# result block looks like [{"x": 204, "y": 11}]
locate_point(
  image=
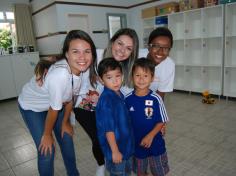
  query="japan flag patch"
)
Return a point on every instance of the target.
[{"x": 148, "y": 102}]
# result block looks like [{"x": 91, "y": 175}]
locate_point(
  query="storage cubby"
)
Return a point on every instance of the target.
[
  {"x": 230, "y": 82},
  {"x": 212, "y": 79},
  {"x": 230, "y": 51},
  {"x": 196, "y": 80},
  {"x": 230, "y": 19},
  {"x": 177, "y": 52},
  {"x": 212, "y": 19},
  {"x": 212, "y": 52},
  {"x": 180, "y": 81},
  {"x": 193, "y": 24},
  {"x": 176, "y": 25},
  {"x": 193, "y": 52}
]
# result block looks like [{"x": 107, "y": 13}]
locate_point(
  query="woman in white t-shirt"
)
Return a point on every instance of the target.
[
  {"x": 123, "y": 46},
  {"x": 47, "y": 107}
]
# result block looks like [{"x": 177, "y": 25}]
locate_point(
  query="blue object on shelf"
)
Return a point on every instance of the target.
[{"x": 161, "y": 21}]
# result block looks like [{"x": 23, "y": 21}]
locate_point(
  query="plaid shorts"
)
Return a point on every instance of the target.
[{"x": 158, "y": 165}]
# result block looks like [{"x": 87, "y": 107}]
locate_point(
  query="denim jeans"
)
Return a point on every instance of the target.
[
  {"x": 122, "y": 169},
  {"x": 35, "y": 122}
]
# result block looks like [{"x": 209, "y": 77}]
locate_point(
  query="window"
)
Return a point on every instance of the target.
[{"x": 7, "y": 30}]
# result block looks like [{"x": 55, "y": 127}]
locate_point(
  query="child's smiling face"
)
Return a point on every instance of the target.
[{"x": 142, "y": 79}]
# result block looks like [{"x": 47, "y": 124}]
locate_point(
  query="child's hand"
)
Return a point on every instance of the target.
[
  {"x": 117, "y": 157},
  {"x": 147, "y": 141},
  {"x": 163, "y": 130},
  {"x": 67, "y": 128}
]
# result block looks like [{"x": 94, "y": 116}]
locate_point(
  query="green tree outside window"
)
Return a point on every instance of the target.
[{"x": 5, "y": 39}]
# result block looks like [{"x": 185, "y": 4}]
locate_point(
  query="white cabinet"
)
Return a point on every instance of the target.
[
  {"x": 198, "y": 49},
  {"x": 15, "y": 71},
  {"x": 230, "y": 51},
  {"x": 7, "y": 84},
  {"x": 23, "y": 66},
  {"x": 149, "y": 24}
]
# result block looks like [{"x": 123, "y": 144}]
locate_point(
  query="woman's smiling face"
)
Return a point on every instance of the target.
[
  {"x": 79, "y": 56},
  {"x": 122, "y": 48}
]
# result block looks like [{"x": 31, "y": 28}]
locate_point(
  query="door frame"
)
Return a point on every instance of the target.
[{"x": 123, "y": 21}]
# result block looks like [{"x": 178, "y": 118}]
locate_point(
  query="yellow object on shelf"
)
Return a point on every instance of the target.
[
  {"x": 149, "y": 12},
  {"x": 167, "y": 8}
]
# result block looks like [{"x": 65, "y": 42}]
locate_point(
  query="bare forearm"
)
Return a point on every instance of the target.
[
  {"x": 156, "y": 129},
  {"x": 112, "y": 141},
  {"x": 68, "y": 109},
  {"x": 50, "y": 121}
]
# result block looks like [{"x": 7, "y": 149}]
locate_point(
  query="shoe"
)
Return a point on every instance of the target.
[{"x": 100, "y": 170}]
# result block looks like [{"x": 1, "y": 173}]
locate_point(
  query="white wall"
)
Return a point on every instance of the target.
[
  {"x": 53, "y": 19},
  {"x": 97, "y": 20},
  {"x": 37, "y": 4},
  {"x": 6, "y": 5},
  {"x": 109, "y": 2},
  {"x": 46, "y": 21}
]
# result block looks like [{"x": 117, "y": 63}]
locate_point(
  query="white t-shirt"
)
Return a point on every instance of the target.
[
  {"x": 164, "y": 76},
  {"x": 88, "y": 95},
  {"x": 56, "y": 89}
]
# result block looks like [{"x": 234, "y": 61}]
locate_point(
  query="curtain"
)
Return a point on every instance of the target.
[{"x": 24, "y": 25}]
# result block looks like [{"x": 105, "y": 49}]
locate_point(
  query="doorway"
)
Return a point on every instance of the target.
[{"x": 115, "y": 21}]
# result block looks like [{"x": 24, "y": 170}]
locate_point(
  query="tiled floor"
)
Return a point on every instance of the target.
[{"x": 200, "y": 139}]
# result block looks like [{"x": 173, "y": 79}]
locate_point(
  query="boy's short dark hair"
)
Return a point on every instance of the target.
[
  {"x": 108, "y": 64},
  {"x": 144, "y": 63},
  {"x": 161, "y": 31}
]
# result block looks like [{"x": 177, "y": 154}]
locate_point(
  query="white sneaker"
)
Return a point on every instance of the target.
[{"x": 100, "y": 170}]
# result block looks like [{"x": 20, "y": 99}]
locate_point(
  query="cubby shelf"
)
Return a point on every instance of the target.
[
  {"x": 198, "y": 49},
  {"x": 229, "y": 88},
  {"x": 204, "y": 49}
]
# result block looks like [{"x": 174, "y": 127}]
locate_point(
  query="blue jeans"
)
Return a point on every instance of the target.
[
  {"x": 122, "y": 169},
  {"x": 35, "y": 122}
]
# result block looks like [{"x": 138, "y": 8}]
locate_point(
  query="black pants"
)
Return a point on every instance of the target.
[{"x": 87, "y": 120}]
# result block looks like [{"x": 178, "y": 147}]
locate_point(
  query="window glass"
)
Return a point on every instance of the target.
[
  {"x": 6, "y": 26},
  {"x": 7, "y": 30},
  {"x": 10, "y": 15},
  {"x": 1, "y": 16}
]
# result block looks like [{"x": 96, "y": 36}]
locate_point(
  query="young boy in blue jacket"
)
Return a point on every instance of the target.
[{"x": 113, "y": 121}]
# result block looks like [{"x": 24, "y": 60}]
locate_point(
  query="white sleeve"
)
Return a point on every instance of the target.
[
  {"x": 166, "y": 79},
  {"x": 56, "y": 80}
]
